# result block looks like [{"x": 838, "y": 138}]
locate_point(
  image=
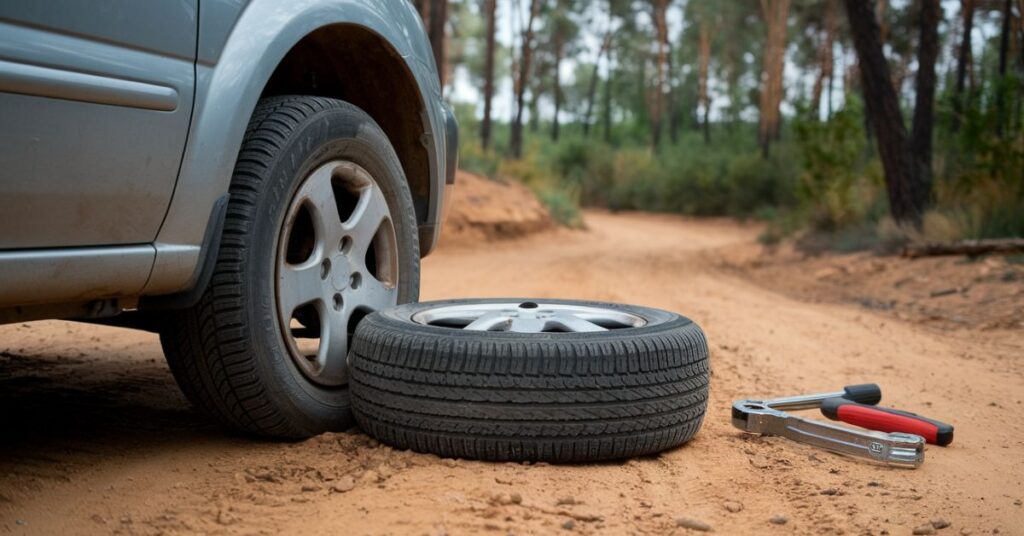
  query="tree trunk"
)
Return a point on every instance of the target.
[
  {"x": 592, "y": 89},
  {"x": 825, "y": 57},
  {"x": 1004, "y": 52},
  {"x": 776, "y": 15},
  {"x": 423, "y": 8},
  {"x": 436, "y": 21},
  {"x": 670, "y": 96},
  {"x": 516, "y": 139},
  {"x": 703, "y": 59},
  {"x": 657, "y": 98},
  {"x": 557, "y": 90},
  {"x": 924, "y": 105},
  {"x": 902, "y": 179},
  {"x": 963, "y": 59},
  {"x": 607, "y": 112},
  {"x": 490, "y": 9}
]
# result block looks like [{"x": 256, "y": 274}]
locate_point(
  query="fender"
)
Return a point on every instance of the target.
[{"x": 226, "y": 95}]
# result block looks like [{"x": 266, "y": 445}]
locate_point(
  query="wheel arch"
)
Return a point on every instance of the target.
[
  {"x": 354, "y": 64},
  {"x": 312, "y": 46}
]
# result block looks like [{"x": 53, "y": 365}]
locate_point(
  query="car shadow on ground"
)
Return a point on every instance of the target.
[{"x": 59, "y": 409}]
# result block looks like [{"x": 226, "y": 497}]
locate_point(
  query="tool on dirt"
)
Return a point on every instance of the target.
[
  {"x": 768, "y": 418},
  {"x": 887, "y": 420}
]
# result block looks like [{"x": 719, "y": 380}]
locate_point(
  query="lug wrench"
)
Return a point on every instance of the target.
[{"x": 767, "y": 417}]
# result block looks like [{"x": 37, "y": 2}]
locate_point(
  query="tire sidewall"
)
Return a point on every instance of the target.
[{"x": 332, "y": 134}]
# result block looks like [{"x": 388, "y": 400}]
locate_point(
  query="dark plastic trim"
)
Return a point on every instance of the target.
[{"x": 204, "y": 272}]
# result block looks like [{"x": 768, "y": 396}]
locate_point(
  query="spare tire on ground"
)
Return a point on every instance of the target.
[{"x": 518, "y": 380}]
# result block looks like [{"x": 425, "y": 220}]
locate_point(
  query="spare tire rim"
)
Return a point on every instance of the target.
[
  {"x": 337, "y": 261},
  {"x": 528, "y": 317}
]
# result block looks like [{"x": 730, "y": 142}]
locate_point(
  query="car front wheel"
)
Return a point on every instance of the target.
[{"x": 320, "y": 231}]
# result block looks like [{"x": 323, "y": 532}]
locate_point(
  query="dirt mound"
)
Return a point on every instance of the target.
[
  {"x": 942, "y": 292},
  {"x": 485, "y": 210}
]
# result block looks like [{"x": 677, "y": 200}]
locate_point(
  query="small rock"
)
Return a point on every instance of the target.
[
  {"x": 693, "y": 524},
  {"x": 733, "y": 506},
  {"x": 568, "y": 500},
  {"x": 779, "y": 519},
  {"x": 226, "y": 518},
  {"x": 306, "y": 488},
  {"x": 516, "y": 498},
  {"x": 371, "y": 477},
  {"x": 1018, "y": 502},
  {"x": 924, "y": 529},
  {"x": 940, "y": 523},
  {"x": 345, "y": 483},
  {"x": 760, "y": 462},
  {"x": 569, "y": 524},
  {"x": 829, "y": 491}
]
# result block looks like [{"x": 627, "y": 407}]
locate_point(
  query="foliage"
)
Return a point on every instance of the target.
[
  {"x": 834, "y": 183},
  {"x": 822, "y": 182}
]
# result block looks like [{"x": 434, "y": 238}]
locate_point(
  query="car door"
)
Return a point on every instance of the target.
[{"x": 95, "y": 102}]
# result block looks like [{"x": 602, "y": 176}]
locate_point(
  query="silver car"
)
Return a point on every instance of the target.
[{"x": 247, "y": 178}]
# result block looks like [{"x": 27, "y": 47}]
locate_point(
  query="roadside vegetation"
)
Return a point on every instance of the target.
[{"x": 756, "y": 111}]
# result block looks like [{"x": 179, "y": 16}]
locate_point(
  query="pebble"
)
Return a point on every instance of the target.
[
  {"x": 733, "y": 506},
  {"x": 345, "y": 483},
  {"x": 924, "y": 529},
  {"x": 370, "y": 476},
  {"x": 779, "y": 519},
  {"x": 568, "y": 500},
  {"x": 569, "y": 524},
  {"x": 226, "y": 518},
  {"x": 940, "y": 523},
  {"x": 516, "y": 498},
  {"x": 692, "y": 524},
  {"x": 760, "y": 462}
]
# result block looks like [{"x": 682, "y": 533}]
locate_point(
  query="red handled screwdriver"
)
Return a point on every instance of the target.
[{"x": 887, "y": 420}]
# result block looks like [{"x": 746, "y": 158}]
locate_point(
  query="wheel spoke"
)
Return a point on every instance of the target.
[
  {"x": 333, "y": 353},
  {"x": 298, "y": 285},
  {"x": 488, "y": 321},
  {"x": 573, "y": 323},
  {"x": 319, "y": 193},
  {"x": 371, "y": 210},
  {"x": 374, "y": 295}
]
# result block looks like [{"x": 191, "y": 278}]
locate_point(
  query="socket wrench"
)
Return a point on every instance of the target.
[{"x": 767, "y": 417}]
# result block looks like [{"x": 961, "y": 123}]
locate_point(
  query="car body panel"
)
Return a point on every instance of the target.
[
  {"x": 142, "y": 121},
  {"x": 227, "y": 93},
  {"x": 96, "y": 116}
]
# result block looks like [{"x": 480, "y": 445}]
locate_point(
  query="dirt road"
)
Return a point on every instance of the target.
[{"x": 96, "y": 439}]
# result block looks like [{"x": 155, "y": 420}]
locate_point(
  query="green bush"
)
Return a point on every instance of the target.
[{"x": 833, "y": 183}]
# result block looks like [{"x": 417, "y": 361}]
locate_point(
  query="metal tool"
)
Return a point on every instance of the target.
[
  {"x": 887, "y": 420},
  {"x": 767, "y": 417}
]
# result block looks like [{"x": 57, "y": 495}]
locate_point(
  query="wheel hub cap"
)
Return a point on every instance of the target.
[
  {"x": 337, "y": 261},
  {"x": 528, "y": 317}
]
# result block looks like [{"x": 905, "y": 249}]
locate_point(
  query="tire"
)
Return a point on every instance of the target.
[
  {"x": 503, "y": 396},
  {"x": 238, "y": 353}
]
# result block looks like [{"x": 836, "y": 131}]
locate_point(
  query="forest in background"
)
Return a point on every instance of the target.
[{"x": 865, "y": 122}]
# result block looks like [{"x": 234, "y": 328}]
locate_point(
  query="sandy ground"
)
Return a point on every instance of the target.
[{"x": 94, "y": 437}]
